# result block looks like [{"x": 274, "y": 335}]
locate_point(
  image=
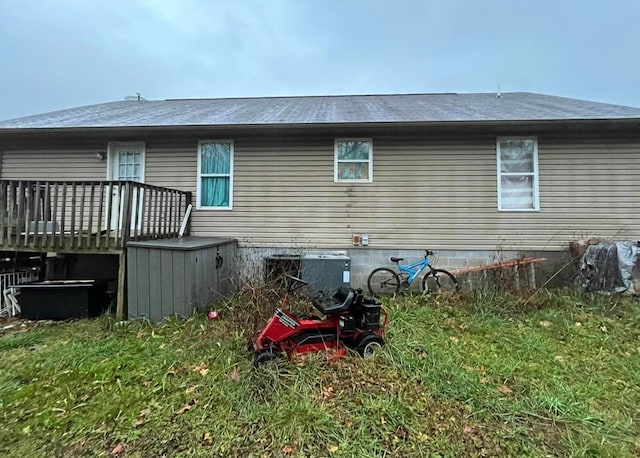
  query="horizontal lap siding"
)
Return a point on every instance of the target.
[
  {"x": 284, "y": 194},
  {"x": 427, "y": 192},
  {"x": 174, "y": 167},
  {"x": 53, "y": 165},
  {"x": 590, "y": 189}
]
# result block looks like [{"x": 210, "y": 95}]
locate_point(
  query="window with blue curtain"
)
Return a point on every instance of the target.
[{"x": 216, "y": 164}]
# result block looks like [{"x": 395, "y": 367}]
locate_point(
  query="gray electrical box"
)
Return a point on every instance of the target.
[{"x": 325, "y": 271}]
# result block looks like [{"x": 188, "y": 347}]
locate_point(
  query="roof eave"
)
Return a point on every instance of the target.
[{"x": 524, "y": 123}]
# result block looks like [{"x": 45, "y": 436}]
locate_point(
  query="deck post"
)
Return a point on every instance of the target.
[{"x": 121, "y": 298}]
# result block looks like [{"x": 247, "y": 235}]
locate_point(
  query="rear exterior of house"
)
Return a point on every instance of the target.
[{"x": 527, "y": 175}]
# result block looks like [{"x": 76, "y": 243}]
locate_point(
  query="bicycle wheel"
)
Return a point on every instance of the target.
[
  {"x": 383, "y": 282},
  {"x": 439, "y": 281}
]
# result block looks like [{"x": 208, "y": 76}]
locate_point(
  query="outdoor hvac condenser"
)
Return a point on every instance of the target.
[{"x": 325, "y": 271}]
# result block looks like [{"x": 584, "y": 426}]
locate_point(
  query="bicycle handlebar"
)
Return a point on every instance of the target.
[{"x": 428, "y": 253}]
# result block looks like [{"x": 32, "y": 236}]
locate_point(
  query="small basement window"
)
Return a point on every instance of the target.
[
  {"x": 353, "y": 160},
  {"x": 518, "y": 174}
]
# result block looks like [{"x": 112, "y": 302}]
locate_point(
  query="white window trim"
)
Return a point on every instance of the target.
[
  {"x": 230, "y": 175},
  {"x": 534, "y": 174},
  {"x": 111, "y": 157},
  {"x": 336, "y": 162}
]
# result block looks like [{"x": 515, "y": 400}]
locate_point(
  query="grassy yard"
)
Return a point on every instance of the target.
[{"x": 482, "y": 376}]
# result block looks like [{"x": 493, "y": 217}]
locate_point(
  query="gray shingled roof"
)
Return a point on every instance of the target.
[{"x": 406, "y": 108}]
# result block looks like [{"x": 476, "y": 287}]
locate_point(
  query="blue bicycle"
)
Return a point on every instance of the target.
[{"x": 384, "y": 281}]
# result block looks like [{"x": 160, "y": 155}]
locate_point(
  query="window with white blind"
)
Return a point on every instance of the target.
[{"x": 518, "y": 174}]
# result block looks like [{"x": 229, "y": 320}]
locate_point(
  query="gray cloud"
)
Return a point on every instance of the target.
[{"x": 64, "y": 53}]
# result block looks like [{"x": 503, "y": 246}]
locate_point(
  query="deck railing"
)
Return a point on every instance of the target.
[{"x": 86, "y": 216}]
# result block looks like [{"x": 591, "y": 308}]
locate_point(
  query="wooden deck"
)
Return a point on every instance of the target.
[{"x": 86, "y": 216}]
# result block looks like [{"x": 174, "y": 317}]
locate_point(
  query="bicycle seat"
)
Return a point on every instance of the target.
[
  {"x": 393, "y": 259},
  {"x": 338, "y": 302}
]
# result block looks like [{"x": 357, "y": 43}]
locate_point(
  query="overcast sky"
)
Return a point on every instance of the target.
[{"x": 58, "y": 54}]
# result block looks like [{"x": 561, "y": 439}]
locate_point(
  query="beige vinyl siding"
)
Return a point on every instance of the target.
[
  {"x": 172, "y": 167},
  {"x": 427, "y": 191},
  {"x": 53, "y": 165}
]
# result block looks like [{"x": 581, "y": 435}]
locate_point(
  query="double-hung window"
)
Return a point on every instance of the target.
[
  {"x": 353, "y": 160},
  {"x": 215, "y": 174},
  {"x": 518, "y": 174}
]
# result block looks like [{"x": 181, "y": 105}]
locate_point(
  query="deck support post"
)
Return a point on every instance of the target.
[{"x": 121, "y": 298}]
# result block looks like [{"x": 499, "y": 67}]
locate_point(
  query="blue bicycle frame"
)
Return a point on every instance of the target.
[
  {"x": 383, "y": 280},
  {"x": 413, "y": 270}
]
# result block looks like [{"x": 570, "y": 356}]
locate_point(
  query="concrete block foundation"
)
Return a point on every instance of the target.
[{"x": 251, "y": 261}]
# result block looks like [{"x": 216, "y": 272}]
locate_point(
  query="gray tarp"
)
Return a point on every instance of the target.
[{"x": 608, "y": 267}]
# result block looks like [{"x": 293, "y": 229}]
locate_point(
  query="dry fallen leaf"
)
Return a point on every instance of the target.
[
  {"x": 201, "y": 368},
  {"x": 545, "y": 323},
  {"x": 207, "y": 438},
  {"x": 235, "y": 373},
  {"x": 332, "y": 449},
  {"x": 186, "y": 407},
  {"x": 504, "y": 389},
  {"x": 287, "y": 450},
  {"x": 191, "y": 389},
  {"x": 117, "y": 450},
  {"x": 326, "y": 393},
  {"x": 141, "y": 417},
  {"x": 454, "y": 339},
  {"x": 483, "y": 380}
]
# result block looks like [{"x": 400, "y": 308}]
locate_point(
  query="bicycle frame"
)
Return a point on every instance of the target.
[
  {"x": 413, "y": 270},
  {"x": 384, "y": 280}
]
